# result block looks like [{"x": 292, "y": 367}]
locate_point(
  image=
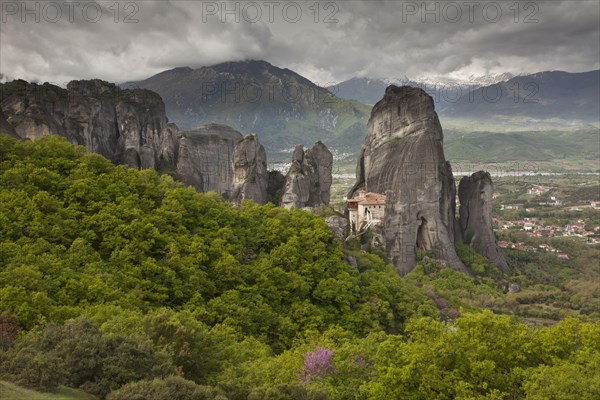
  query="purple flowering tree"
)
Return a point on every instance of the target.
[
  {"x": 439, "y": 302},
  {"x": 317, "y": 364}
]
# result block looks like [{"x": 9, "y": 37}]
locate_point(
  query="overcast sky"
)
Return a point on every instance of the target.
[{"x": 132, "y": 40}]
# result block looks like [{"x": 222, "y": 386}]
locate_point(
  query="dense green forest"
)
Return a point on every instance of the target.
[{"x": 126, "y": 285}]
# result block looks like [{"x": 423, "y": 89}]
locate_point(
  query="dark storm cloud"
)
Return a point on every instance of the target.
[
  {"x": 369, "y": 38},
  {"x": 393, "y": 43}
]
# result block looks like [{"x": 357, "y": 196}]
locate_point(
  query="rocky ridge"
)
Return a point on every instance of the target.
[
  {"x": 130, "y": 127},
  {"x": 125, "y": 126}
]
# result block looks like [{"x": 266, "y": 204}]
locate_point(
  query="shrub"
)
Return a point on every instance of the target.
[{"x": 170, "y": 388}]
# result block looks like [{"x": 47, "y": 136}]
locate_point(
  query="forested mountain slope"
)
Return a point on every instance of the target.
[{"x": 127, "y": 285}]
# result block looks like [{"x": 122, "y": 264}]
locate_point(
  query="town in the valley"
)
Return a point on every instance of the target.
[{"x": 533, "y": 211}]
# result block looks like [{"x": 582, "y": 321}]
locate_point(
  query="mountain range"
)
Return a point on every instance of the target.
[
  {"x": 553, "y": 96},
  {"x": 281, "y": 106},
  {"x": 285, "y": 108},
  {"x": 550, "y": 95},
  {"x": 526, "y": 117},
  {"x": 370, "y": 90}
]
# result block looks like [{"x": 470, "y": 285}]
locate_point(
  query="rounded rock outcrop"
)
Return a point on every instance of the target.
[{"x": 403, "y": 158}]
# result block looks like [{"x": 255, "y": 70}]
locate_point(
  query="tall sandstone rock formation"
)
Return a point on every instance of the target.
[
  {"x": 205, "y": 158},
  {"x": 251, "y": 176},
  {"x": 130, "y": 127},
  {"x": 475, "y": 196},
  {"x": 403, "y": 157},
  {"x": 125, "y": 126},
  {"x": 308, "y": 181}
]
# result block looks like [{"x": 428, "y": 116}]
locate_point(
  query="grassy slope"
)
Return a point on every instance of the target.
[{"x": 10, "y": 391}]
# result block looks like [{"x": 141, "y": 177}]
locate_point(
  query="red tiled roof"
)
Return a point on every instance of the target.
[{"x": 368, "y": 199}]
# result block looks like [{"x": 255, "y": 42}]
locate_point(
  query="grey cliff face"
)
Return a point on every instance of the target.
[
  {"x": 308, "y": 181},
  {"x": 5, "y": 127},
  {"x": 125, "y": 126},
  {"x": 130, "y": 127},
  {"x": 250, "y": 171},
  {"x": 320, "y": 156},
  {"x": 338, "y": 226},
  {"x": 403, "y": 157},
  {"x": 475, "y": 195},
  {"x": 205, "y": 158},
  {"x": 296, "y": 188}
]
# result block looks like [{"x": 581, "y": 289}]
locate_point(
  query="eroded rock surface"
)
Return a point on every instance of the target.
[
  {"x": 250, "y": 171},
  {"x": 475, "y": 196},
  {"x": 308, "y": 181},
  {"x": 205, "y": 158},
  {"x": 338, "y": 225},
  {"x": 130, "y": 127},
  {"x": 403, "y": 158},
  {"x": 125, "y": 126}
]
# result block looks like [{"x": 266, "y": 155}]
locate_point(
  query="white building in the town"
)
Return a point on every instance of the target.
[{"x": 537, "y": 190}]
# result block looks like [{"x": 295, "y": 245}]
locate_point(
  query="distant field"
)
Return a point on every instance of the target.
[
  {"x": 578, "y": 148},
  {"x": 9, "y": 391}
]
